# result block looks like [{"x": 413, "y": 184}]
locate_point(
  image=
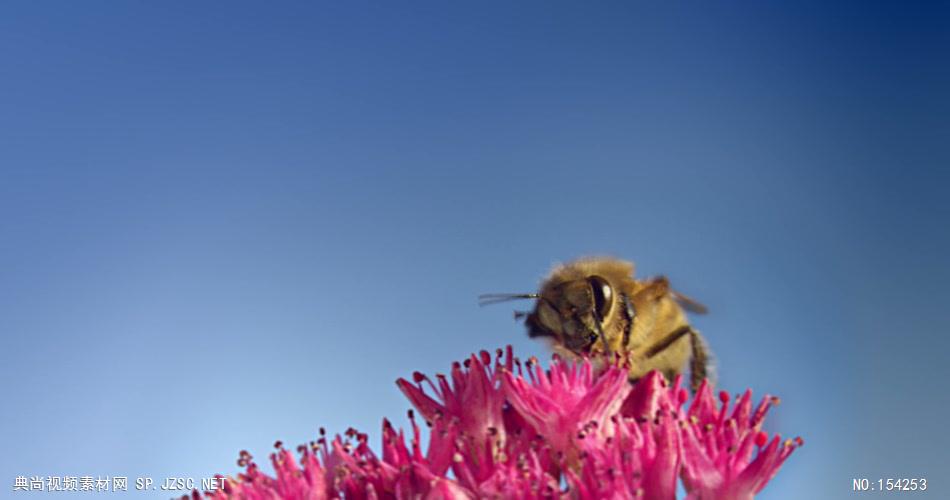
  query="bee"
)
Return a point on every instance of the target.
[{"x": 595, "y": 306}]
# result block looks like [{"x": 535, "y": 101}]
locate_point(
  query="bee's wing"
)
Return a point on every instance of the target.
[{"x": 688, "y": 303}]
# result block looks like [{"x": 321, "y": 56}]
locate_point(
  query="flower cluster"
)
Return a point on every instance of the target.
[{"x": 502, "y": 429}]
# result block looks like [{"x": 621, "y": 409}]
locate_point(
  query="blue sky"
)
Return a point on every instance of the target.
[{"x": 228, "y": 224}]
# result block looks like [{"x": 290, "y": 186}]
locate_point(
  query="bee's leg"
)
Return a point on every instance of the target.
[
  {"x": 698, "y": 362},
  {"x": 664, "y": 344},
  {"x": 667, "y": 341},
  {"x": 630, "y": 313},
  {"x": 699, "y": 358}
]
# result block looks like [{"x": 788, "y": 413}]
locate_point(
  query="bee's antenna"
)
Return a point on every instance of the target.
[{"x": 495, "y": 298}]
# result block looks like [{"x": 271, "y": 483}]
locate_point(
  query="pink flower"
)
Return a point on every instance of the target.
[
  {"x": 292, "y": 481},
  {"x": 573, "y": 432},
  {"x": 472, "y": 405},
  {"x": 718, "y": 447},
  {"x": 568, "y": 401},
  {"x": 641, "y": 460},
  {"x": 473, "y": 399},
  {"x": 652, "y": 395}
]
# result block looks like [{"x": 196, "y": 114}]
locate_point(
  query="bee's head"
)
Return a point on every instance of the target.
[{"x": 572, "y": 312}]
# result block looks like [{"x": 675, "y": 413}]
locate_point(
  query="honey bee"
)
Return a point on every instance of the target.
[{"x": 595, "y": 306}]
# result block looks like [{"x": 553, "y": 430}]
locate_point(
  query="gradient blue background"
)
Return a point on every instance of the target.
[{"x": 226, "y": 224}]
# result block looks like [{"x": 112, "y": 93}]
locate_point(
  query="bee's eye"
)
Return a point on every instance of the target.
[{"x": 603, "y": 295}]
